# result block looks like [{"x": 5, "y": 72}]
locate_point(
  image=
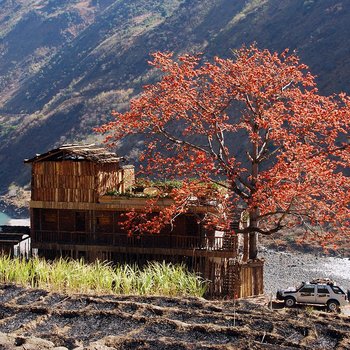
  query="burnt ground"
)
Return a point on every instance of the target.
[{"x": 37, "y": 319}]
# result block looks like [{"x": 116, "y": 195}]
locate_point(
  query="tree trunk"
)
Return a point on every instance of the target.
[
  {"x": 253, "y": 236},
  {"x": 253, "y": 245}
]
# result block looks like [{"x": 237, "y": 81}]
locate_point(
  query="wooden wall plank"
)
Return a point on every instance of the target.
[{"x": 71, "y": 181}]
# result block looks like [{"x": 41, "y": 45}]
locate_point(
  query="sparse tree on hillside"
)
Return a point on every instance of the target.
[{"x": 257, "y": 126}]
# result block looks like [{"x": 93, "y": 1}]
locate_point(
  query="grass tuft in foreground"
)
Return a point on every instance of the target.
[{"x": 75, "y": 276}]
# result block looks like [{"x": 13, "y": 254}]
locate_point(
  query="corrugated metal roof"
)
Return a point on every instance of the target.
[{"x": 77, "y": 153}]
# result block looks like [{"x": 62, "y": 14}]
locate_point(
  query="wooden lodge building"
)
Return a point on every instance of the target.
[{"x": 72, "y": 215}]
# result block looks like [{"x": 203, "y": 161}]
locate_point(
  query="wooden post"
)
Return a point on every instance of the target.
[{"x": 245, "y": 247}]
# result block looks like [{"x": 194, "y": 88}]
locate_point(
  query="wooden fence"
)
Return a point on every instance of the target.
[
  {"x": 232, "y": 279},
  {"x": 251, "y": 278}
]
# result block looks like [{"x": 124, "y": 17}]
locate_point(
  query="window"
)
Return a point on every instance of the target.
[
  {"x": 49, "y": 220},
  {"x": 80, "y": 221},
  {"x": 337, "y": 290},
  {"x": 66, "y": 220},
  {"x": 191, "y": 225},
  {"x": 36, "y": 219},
  {"x": 322, "y": 290},
  {"x": 104, "y": 222},
  {"x": 307, "y": 290},
  {"x": 50, "y": 217}
]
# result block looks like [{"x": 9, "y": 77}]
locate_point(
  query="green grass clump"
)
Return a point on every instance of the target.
[{"x": 75, "y": 276}]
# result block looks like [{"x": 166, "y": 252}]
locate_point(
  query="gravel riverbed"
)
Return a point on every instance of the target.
[{"x": 285, "y": 269}]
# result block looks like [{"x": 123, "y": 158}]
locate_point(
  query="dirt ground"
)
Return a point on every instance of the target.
[{"x": 33, "y": 319}]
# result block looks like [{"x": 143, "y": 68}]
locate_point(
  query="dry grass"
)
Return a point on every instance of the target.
[{"x": 73, "y": 276}]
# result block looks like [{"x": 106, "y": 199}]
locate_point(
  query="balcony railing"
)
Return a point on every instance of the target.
[{"x": 219, "y": 242}]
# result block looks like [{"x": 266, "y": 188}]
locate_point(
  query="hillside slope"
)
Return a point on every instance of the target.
[
  {"x": 66, "y": 64},
  {"x": 38, "y": 319}
]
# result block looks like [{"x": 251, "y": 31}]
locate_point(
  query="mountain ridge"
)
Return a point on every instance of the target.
[{"x": 54, "y": 92}]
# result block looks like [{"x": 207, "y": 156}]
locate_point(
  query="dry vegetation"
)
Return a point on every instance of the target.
[
  {"x": 38, "y": 319},
  {"x": 75, "y": 276}
]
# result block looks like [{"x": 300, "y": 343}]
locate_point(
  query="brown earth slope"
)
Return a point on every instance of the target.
[{"x": 38, "y": 319}]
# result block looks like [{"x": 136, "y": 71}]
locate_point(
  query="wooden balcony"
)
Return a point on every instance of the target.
[{"x": 219, "y": 243}]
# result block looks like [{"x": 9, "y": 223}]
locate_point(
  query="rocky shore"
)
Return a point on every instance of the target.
[{"x": 284, "y": 269}]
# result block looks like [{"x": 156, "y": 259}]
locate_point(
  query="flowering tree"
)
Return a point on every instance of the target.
[{"x": 256, "y": 128}]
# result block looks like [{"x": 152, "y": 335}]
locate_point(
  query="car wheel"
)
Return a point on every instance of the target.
[
  {"x": 289, "y": 302},
  {"x": 333, "y": 305}
]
